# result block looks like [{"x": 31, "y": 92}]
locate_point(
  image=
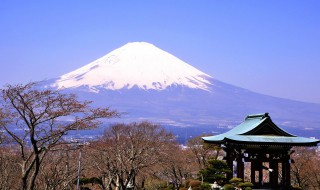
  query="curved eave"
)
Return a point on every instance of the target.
[
  {"x": 264, "y": 140},
  {"x": 272, "y": 140},
  {"x": 208, "y": 140}
]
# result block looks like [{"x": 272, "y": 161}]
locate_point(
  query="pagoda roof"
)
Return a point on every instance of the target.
[{"x": 259, "y": 129}]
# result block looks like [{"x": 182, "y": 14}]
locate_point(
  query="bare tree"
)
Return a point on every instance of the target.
[
  {"x": 202, "y": 152},
  {"x": 178, "y": 165},
  {"x": 102, "y": 163},
  {"x": 1, "y": 136},
  {"x": 305, "y": 170},
  {"x": 2, "y": 122},
  {"x": 9, "y": 170},
  {"x": 126, "y": 149},
  {"x": 36, "y": 120},
  {"x": 59, "y": 169}
]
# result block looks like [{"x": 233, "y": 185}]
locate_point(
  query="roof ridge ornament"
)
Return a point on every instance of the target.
[{"x": 261, "y": 115}]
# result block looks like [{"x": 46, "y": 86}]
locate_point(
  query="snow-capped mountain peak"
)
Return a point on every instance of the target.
[{"x": 138, "y": 64}]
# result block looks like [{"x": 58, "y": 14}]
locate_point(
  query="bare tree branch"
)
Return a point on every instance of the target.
[{"x": 44, "y": 117}]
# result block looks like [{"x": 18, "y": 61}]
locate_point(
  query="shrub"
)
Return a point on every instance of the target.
[
  {"x": 248, "y": 188},
  {"x": 194, "y": 183},
  {"x": 228, "y": 187},
  {"x": 235, "y": 180},
  {"x": 205, "y": 186},
  {"x": 92, "y": 180},
  {"x": 246, "y": 184},
  {"x": 170, "y": 186},
  {"x": 186, "y": 183}
]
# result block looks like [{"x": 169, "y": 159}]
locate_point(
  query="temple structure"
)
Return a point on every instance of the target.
[{"x": 262, "y": 146}]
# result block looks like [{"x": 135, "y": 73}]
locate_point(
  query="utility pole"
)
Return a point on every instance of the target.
[{"x": 79, "y": 168}]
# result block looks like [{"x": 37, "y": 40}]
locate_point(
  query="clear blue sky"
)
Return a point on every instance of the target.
[{"x": 267, "y": 46}]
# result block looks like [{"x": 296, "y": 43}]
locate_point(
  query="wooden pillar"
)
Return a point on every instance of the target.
[
  {"x": 240, "y": 168},
  {"x": 286, "y": 180},
  {"x": 287, "y": 172},
  {"x": 229, "y": 160},
  {"x": 253, "y": 168},
  {"x": 274, "y": 175},
  {"x": 256, "y": 166},
  {"x": 260, "y": 174},
  {"x": 283, "y": 178}
]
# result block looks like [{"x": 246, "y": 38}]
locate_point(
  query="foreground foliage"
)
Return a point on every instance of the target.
[{"x": 36, "y": 120}]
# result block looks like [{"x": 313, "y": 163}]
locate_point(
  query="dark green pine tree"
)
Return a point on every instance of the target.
[{"x": 216, "y": 170}]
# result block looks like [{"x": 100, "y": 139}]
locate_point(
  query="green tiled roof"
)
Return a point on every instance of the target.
[
  {"x": 259, "y": 129},
  {"x": 271, "y": 139}
]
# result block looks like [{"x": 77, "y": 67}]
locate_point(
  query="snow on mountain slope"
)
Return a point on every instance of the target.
[{"x": 135, "y": 64}]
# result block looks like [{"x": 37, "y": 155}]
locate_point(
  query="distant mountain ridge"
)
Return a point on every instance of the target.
[{"x": 151, "y": 84}]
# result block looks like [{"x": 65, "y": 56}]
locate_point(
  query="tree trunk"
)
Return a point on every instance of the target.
[
  {"x": 142, "y": 183},
  {"x": 24, "y": 183}
]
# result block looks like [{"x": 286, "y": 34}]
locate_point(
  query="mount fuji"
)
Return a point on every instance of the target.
[
  {"x": 150, "y": 84},
  {"x": 137, "y": 64}
]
